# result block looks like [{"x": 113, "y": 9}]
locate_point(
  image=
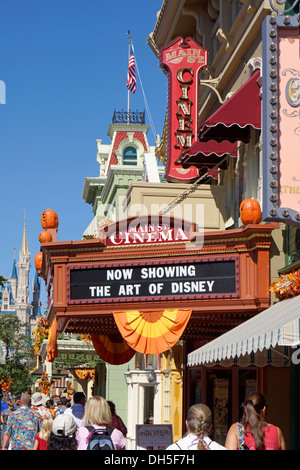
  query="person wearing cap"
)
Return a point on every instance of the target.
[
  {"x": 38, "y": 405},
  {"x": 22, "y": 427},
  {"x": 63, "y": 432}
]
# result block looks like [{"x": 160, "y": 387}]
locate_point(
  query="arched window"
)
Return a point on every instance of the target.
[{"x": 129, "y": 156}]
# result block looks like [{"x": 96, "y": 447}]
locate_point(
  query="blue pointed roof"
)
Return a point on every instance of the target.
[
  {"x": 37, "y": 282},
  {"x": 14, "y": 274},
  {"x": 40, "y": 313}
]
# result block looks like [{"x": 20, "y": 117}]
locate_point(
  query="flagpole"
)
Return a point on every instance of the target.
[{"x": 128, "y": 93}]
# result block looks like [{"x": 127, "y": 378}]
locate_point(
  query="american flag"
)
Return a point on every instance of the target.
[{"x": 131, "y": 78}]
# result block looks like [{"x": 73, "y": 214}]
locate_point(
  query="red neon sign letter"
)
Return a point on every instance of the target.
[{"x": 183, "y": 59}]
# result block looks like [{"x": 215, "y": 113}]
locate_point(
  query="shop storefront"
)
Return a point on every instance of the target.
[
  {"x": 258, "y": 354},
  {"x": 148, "y": 285},
  {"x": 249, "y": 110},
  {"x": 158, "y": 287}
]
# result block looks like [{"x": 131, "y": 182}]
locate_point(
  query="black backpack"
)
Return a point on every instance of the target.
[{"x": 99, "y": 439}]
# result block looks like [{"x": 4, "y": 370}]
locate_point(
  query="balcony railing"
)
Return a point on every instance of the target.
[{"x": 131, "y": 117}]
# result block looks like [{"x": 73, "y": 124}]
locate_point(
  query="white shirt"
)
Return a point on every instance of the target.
[
  {"x": 190, "y": 442},
  {"x": 77, "y": 420}
]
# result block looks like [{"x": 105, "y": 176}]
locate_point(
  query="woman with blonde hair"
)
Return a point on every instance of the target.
[
  {"x": 198, "y": 424},
  {"x": 97, "y": 416},
  {"x": 42, "y": 437},
  {"x": 253, "y": 432}
]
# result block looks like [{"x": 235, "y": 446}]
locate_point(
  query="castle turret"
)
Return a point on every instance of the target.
[{"x": 23, "y": 306}]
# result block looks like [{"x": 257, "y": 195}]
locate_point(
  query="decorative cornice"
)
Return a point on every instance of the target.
[
  {"x": 112, "y": 181},
  {"x": 127, "y": 128},
  {"x": 247, "y": 239}
]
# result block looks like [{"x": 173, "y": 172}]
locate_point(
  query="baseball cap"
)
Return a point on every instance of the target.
[{"x": 64, "y": 425}]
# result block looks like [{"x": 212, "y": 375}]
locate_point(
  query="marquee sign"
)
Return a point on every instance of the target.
[
  {"x": 154, "y": 280},
  {"x": 145, "y": 230},
  {"x": 145, "y": 234},
  {"x": 183, "y": 59},
  {"x": 281, "y": 119}
]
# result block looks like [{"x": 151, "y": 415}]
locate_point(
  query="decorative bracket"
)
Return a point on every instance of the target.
[
  {"x": 281, "y": 11},
  {"x": 212, "y": 85}
]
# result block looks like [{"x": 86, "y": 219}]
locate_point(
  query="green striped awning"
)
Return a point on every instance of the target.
[{"x": 278, "y": 325}]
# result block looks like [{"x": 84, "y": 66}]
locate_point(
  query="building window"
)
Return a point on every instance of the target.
[{"x": 130, "y": 156}]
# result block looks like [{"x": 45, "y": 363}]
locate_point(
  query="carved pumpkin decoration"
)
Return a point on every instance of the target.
[
  {"x": 250, "y": 212},
  {"x": 49, "y": 219},
  {"x": 45, "y": 237},
  {"x": 38, "y": 260}
]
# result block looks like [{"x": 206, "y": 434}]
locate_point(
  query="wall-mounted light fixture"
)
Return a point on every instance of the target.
[{"x": 150, "y": 373}]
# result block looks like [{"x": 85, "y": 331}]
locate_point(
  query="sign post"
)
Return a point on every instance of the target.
[{"x": 153, "y": 436}]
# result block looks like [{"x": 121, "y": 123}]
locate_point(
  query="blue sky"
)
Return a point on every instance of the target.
[{"x": 64, "y": 65}]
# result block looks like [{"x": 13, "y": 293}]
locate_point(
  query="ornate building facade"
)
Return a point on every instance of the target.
[
  {"x": 15, "y": 292},
  {"x": 126, "y": 159}
]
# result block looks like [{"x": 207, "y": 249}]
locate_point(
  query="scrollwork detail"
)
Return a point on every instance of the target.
[{"x": 281, "y": 11}]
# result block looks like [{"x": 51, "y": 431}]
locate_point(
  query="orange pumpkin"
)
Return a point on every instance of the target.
[
  {"x": 38, "y": 260},
  {"x": 49, "y": 219},
  {"x": 45, "y": 237},
  {"x": 250, "y": 212}
]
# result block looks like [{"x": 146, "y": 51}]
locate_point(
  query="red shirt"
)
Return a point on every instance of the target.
[
  {"x": 43, "y": 445},
  {"x": 116, "y": 422},
  {"x": 271, "y": 439}
]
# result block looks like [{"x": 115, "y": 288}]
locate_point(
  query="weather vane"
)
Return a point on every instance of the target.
[{"x": 291, "y": 5}]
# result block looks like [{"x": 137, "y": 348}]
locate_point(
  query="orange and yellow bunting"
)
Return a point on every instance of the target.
[
  {"x": 84, "y": 373},
  {"x": 52, "y": 351},
  {"x": 152, "y": 332},
  {"x": 114, "y": 352}
]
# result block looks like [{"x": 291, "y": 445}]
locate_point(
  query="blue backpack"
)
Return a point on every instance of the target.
[{"x": 99, "y": 439}]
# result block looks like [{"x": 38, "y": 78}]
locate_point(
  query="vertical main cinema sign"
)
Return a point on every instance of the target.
[
  {"x": 281, "y": 119},
  {"x": 183, "y": 59}
]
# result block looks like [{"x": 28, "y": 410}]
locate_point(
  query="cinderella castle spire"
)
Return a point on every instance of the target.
[
  {"x": 25, "y": 248},
  {"x": 15, "y": 291},
  {"x": 22, "y": 302}
]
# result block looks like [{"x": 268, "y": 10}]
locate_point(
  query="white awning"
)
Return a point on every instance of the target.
[{"x": 277, "y": 325}]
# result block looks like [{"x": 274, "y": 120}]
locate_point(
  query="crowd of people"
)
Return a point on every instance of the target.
[
  {"x": 36, "y": 423},
  {"x": 253, "y": 432}
]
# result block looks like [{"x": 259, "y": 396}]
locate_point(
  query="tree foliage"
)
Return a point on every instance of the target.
[
  {"x": 18, "y": 353},
  {"x": 2, "y": 280}
]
